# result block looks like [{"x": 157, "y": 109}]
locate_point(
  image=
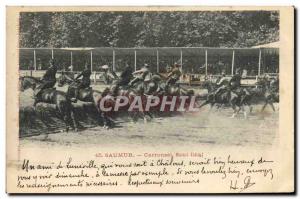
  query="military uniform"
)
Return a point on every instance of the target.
[
  {"x": 125, "y": 76},
  {"x": 173, "y": 76},
  {"x": 274, "y": 85},
  {"x": 145, "y": 75},
  {"x": 48, "y": 80},
  {"x": 222, "y": 83},
  {"x": 235, "y": 81},
  {"x": 124, "y": 80},
  {"x": 85, "y": 81}
]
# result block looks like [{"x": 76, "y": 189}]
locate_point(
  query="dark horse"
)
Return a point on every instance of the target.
[
  {"x": 85, "y": 95},
  {"x": 51, "y": 96},
  {"x": 263, "y": 93},
  {"x": 226, "y": 97}
]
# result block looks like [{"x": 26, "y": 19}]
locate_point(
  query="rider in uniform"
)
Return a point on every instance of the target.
[
  {"x": 235, "y": 81},
  {"x": 126, "y": 76},
  {"x": 85, "y": 80},
  {"x": 48, "y": 80},
  {"x": 274, "y": 84},
  {"x": 222, "y": 84},
  {"x": 174, "y": 75},
  {"x": 109, "y": 75},
  {"x": 124, "y": 80},
  {"x": 144, "y": 73}
]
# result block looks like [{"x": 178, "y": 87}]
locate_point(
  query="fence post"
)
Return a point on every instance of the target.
[
  {"x": 92, "y": 61},
  {"x": 256, "y": 78},
  {"x": 134, "y": 60},
  {"x": 71, "y": 61},
  {"x": 259, "y": 62},
  {"x": 205, "y": 62},
  {"x": 232, "y": 64},
  {"x": 114, "y": 60},
  {"x": 52, "y": 54},
  {"x": 157, "y": 61},
  {"x": 181, "y": 60},
  {"x": 34, "y": 60}
]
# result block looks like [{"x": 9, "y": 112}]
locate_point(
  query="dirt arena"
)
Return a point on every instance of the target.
[{"x": 203, "y": 128}]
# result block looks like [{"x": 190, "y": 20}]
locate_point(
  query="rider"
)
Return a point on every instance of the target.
[
  {"x": 144, "y": 73},
  {"x": 222, "y": 84},
  {"x": 48, "y": 80},
  {"x": 274, "y": 84},
  {"x": 126, "y": 76},
  {"x": 154, "y": 86},
  {"x": 174, "y": 75},
  {"x": 85, "y": 80},
  {"x": 235, "y": 81},
  {"x": 108, "y": 75},
  {"x": 124, "y": 80}
]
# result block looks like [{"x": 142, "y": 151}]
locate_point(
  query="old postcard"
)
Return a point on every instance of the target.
[{"x": 150, "y": 100}]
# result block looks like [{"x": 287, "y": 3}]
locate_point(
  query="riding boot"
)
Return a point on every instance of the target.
[
  {"x": 115, "y": 91},
  {"x": 76, "y": 94},
  {"x": 214, "y": 98}
]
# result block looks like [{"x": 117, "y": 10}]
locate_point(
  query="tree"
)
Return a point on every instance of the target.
[{"x": 150, "y": 29}]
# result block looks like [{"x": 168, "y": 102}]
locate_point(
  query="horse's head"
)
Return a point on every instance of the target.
[
  {"x": 21, "y": 84},
  {"x": 27, "y": 82},
  {"x": 64, "y": 79},
  {"x": 61, "y": 80}
]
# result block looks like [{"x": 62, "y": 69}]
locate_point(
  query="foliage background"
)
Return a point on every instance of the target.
[{"x": 148, "y": 29}]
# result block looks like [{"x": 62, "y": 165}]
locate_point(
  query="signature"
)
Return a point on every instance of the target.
[{"x": 234, "y": 185}]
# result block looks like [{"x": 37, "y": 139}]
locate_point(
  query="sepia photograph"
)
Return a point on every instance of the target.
[
  {"x": 150, "y": 100},
  {"x": 228, "y": 62}
]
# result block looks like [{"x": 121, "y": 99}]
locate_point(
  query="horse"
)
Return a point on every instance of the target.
[
  {"x": 51, "y": 96},
  {"x": 138, "y": 89},
  {"x": 85, "y": 95},
  {"x": 109, "y": 77},
  {"x": 227, "y": 96},
  {"x": 156, "y": 87},
  {"x": 263, "y": 93}
]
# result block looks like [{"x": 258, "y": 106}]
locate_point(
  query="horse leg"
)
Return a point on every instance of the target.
[
  {"x": 211, "y": 106},
  {"x": 234, "y": 110},
  {"x": 204, "y": 103},
  {"x": 99, "y": 114},
  {"x": 144, "y": 117},
  {"x": 134, "y": 116},
  {"x": 145, "y": 114},
  {"x": 65, "y": 112},
  {"x": 72, "y": 116},
  {"x": 250, "y": 107},
  {"x": 272, "y": 105},
  {"x": 106, "y": 121},
  {"x": 264, "y": 106},
  {"x": 244, "y": 111}
]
